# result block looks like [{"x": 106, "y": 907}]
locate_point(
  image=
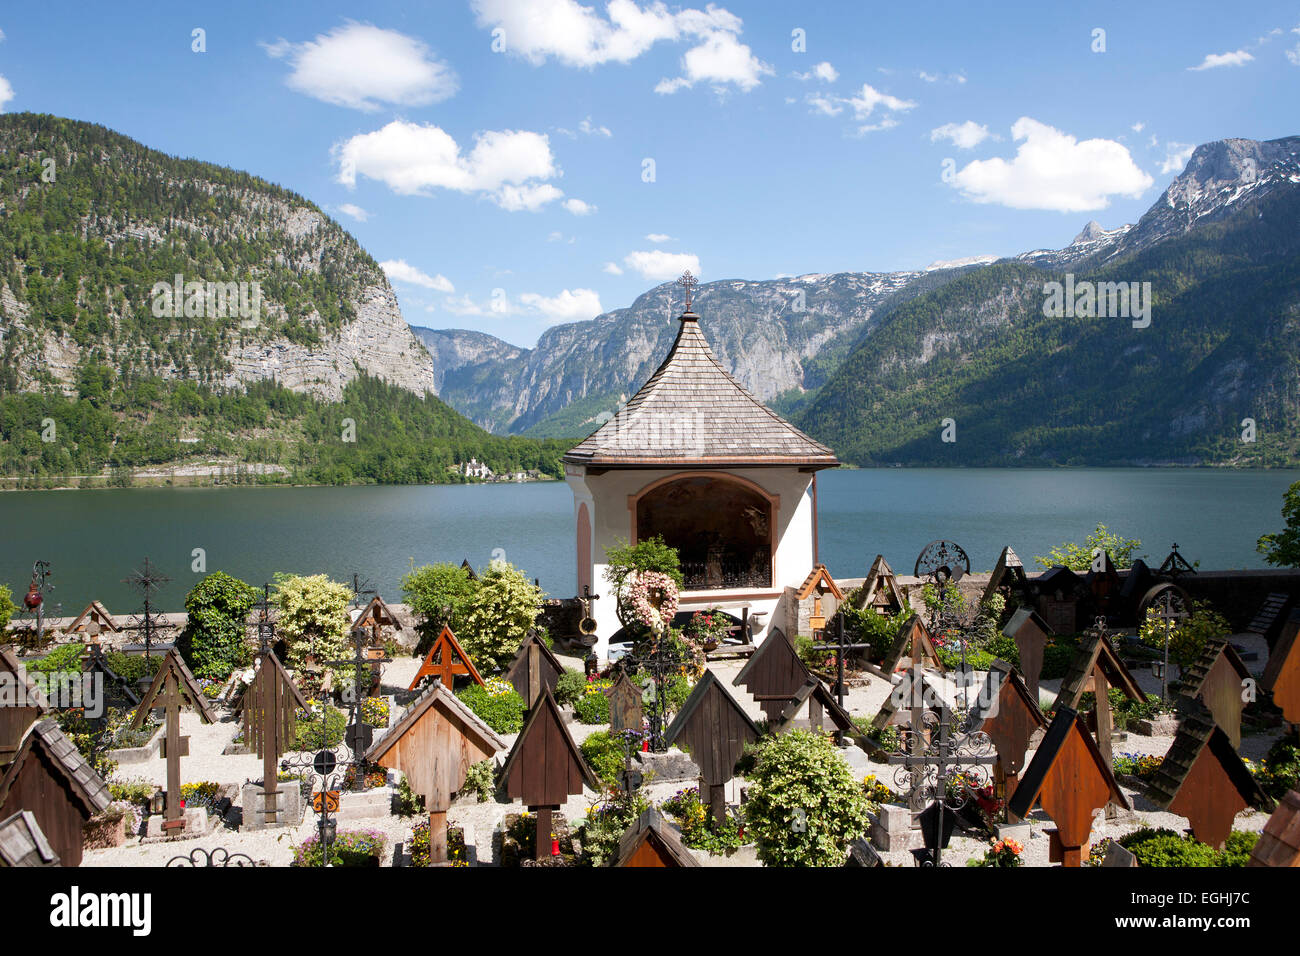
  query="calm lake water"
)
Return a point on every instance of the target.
[{"x": 93, "y": 539}]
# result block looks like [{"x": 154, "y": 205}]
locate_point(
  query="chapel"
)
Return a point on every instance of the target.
[{"x": 697, "y": 460}]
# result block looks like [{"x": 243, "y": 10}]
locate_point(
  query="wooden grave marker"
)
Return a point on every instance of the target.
[
  {"x": 773, "y": 673},
  {"x": 545, "y": 767},
  {"x": 1279, "y": 843},
  {"x": 95, "y": 613},
  {"x": 1009, "y": 572},
  {"x": 1006, "y": 711},
  {"x": 626, "y": 705},
  {"x": 1204, "y": 779},
  {"x": 1030, "y": 632},
  {"x": 1071, "y": 780},
  {"x": 21, "y": 704},
  {"x": 173, "y": 688},
  {"x": 446, "y": 661},
  {"x": 534, "y": 668},
  {"x": 712, "y": 727},
  {"x": 269, "y": 706},
  {"x": 434, "y": 744},
  {"x": 1282, "y": 674},
  {"x": 651, "y": 841},
  {"x": 818, "y": 585},
  {"x": 1218, "y": 680},
  {"x": 880, "y": 590},
  {"x": 1096, "y": 668},
  {"x": 49, "y": 778},
  {"x": 810, "y": 706},
  {"x": 22, "y": 844},
  {"x": 913, "y": 642}
]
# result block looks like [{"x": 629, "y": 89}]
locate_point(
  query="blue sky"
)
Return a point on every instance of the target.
[{"x": 506, "y": 190}]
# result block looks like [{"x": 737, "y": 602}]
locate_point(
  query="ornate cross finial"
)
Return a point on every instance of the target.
[{"x": 688, "y": 282}]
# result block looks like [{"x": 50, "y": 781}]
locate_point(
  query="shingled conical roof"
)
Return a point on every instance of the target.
[{"x": 693, "y": 413}]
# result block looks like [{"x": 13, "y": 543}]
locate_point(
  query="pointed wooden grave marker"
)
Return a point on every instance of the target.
[
  {"x": 880, "y": 589},
  {"x": 817, "y": 585},
  {"x": 1006, "y": 711},
  {"x": 773, "y": 673},
  {"x": 21, "y": 704},
  {"x": 434, "y": 744},
  {"x": 651, "y": 841},
  {"x": 913, "y": 642},
  {"x": 1279, "y": 844},
  {"x": 269, "y": 706},
  {"x": 52, "y": 780},
  {"x": 534, "y": 668},
  {"x": 376, "y": 616},
  {"x": 626, "y": 709},
  {"x": 173, "y": 688},
  {"x": 545, "y": 767},
  {"x": 1282, "y": 675},
  {"x": 1204, "y": 779},
  {"x": 1218, "y": 680},
  {"x": 95, "y": 613},
  {"x": 810, "y": 706},
  {"x": 714, "y": 730},
  {"x": 1009, "y": 572},
  {"x": 445, "y": 661},
  {"x": 1070, "y": 779},
  {"x": 1030, "y": 632},
  {"x": 1096, "y": 668}
]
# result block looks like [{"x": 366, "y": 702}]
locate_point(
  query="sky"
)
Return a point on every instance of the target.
[{"x": 516, "y": 164}]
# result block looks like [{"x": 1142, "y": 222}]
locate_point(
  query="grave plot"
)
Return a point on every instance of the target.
[{"x": 713, "y": 728}]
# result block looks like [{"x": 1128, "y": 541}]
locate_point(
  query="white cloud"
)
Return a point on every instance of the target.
[
  {"x": 1053, "y": 170},
  {"x": 657, "y": 264},
  {"x": 361, "y": 66},
  {"x": 957, "y": 78},
  {"x": 1294, "y": 55},
  {"x": 578, "y": 207},
  {"x": 965, "y": 135},
  {"x": 613, "y": 268},
  {"x": 822, "y": 71},
  {"x": 825, "y": 105},
  {"x": 356, "y": 212},
  {"x": 863, "y": 104},
  {"x": 6, "y": 93},
  {"x": 1138, "y": 126},
  {"x": 465, "y": 305},
  {"x": 577, "y": 35},
  {"x": 590, "y": 129},
  {"x": 869, "y": 98},
  {"x": 1176, "y": 157},
  {"x": 508, "y": 166},
  {"x": 399, "y": 270},
  {"x": 1213, "y": 60},
  {"x": 571, "y": 305},
  {"x": 658, "y": 237}
]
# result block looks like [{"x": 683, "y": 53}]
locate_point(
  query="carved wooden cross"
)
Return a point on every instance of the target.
[{"x": 174, "y": 747}]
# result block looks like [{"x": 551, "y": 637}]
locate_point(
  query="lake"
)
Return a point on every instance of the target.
[{"x": 93, "y": 539}]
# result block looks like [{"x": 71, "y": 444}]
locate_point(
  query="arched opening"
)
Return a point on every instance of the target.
[{"x": 721, "y": 528}]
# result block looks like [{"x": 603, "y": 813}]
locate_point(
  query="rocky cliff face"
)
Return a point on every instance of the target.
[{"x": 85, "y": 241}]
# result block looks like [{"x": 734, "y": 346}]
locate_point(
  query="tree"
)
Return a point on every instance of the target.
[
  {"x": 1283, "y": 549},
  {"x": 7, "y": 606},
  {"x": 314, "y": 617},
  {"x": 1188, "y": 639},
  {"x": 805, "y": 806},
  {"x": 498, "y": 615},
  {"x": 1080, "y": 558},
  {"x": 215, "y": 639},
  {"x": 440, "y": 595}
]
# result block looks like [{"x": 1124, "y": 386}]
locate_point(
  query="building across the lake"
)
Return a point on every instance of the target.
[{"x": 696, "y": 459}]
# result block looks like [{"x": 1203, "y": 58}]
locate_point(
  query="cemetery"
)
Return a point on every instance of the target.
[{"x": 713, "y": 697}]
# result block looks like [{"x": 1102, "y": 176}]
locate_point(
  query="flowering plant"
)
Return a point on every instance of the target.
[
  {"x": 708, "y": 625},
  {"x": 653, "y": 597},
  {"x": 1006, "y": 852}
]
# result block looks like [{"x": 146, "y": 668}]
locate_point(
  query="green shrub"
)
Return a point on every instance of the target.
[
  {"x": 1164, "y": 847},
  {"x": 805, "y": 805},
  {"x": 605, "y": 756},
  {"x": 699, "y": 830},
  {"x": 7, "y": 607},
  {"x": 132, "y": 667},
  {"x": 349, "y": 848},
  {"x": 1186, "y": 641},
  {"x": 1280, "y": 770},
  {"x": 504, "y": 605},
  {"x": 498, "y": 705},
  {"x": 570, "y": 687},
  {"x": 409, "y": 803},
  {"x": 66, "y": 658},
  {"x": 438, "y": 594},
  {"x": 309, "y": 727},
  {"x": 605, "y": 824},
  {"x": 1238, "y": 848},
  {"x": 314, "y": 620},
  {"x": 215, "y": 641},
  {"x": 1080, "y": 557},
  {"x": 593, "y": 706},
  {"x": 1057, "y": 657},
  {"x": 481, "y": 779}
]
